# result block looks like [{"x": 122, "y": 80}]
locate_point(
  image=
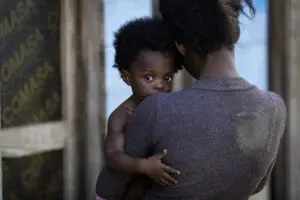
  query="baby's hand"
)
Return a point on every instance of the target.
[{"x": 154, "y": 168}]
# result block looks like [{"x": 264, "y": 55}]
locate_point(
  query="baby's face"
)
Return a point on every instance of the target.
[{"x": 152, "y": 72}]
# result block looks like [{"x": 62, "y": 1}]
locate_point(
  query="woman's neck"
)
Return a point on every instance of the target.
[{"x": 220, "y": 64}]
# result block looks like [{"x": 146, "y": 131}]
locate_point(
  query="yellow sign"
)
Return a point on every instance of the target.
[{"x": 30, "y": 84}]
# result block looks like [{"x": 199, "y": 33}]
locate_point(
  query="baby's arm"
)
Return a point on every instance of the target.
[
  {"x": 114, "y": 144},
  {"x": 116, "y": 158}
]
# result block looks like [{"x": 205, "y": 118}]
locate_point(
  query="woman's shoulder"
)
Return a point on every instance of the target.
[
  {"x": 276, "y": 99},
  {"x": 275, "y": 102},
  {"x": 269, "y": 99},
  {"x": 153, "y": 101},
  {"x": 273, "y": 105},
  {"x": 280, "y": 111}
]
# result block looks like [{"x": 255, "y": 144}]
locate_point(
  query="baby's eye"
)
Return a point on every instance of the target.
[
  {"x": 169, "y": 78},
  {"x": 148, "y": 78}
]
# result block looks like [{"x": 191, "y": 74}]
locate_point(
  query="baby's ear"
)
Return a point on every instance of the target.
[{"x": 125, "y": 75}]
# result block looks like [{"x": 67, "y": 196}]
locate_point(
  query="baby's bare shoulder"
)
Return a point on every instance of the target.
[{"x": 120, "y": 117}]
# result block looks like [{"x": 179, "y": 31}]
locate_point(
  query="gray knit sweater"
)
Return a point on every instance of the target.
[{"x": 221, "y": 134}]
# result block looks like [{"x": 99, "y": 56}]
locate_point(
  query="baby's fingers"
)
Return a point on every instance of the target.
[
  {"x": 170, "y": 170},
  {"x": 162, "y": 181},
  {"x": 169, "y": 179}
]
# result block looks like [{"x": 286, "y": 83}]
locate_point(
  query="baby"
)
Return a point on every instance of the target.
[{"x": 147, "y": 60}]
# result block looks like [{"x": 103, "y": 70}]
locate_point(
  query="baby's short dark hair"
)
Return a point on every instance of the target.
[{"x": 143, "y": 34}]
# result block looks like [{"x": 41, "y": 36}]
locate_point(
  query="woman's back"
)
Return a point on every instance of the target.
[{"x": 222, "y": 135}]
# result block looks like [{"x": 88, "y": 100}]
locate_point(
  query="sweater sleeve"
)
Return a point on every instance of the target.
[{"x": 278, "y": 129}]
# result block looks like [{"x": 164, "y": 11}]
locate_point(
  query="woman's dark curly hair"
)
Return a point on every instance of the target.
[
  {"x": 207, "y": 25},
  {"x": 143, "y": 34}
]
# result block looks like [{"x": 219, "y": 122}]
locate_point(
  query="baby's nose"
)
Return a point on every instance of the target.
[{"x": 159, "y": 86}]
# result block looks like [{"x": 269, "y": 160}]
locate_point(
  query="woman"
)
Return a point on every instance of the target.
[{"x": 223, "y": 133}]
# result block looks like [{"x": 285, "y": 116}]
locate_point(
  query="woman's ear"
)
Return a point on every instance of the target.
[
  {"x": 125, "y": 75},
  {"x": 180, "y": 48}
]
